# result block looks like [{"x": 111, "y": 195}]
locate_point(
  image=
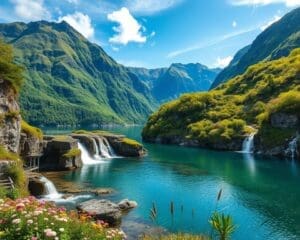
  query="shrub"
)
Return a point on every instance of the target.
[
  {"x": 6, "y": 155},
  {"x": 222, "y": 225}
]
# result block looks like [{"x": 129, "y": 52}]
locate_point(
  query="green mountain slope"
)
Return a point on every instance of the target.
[
  {"x": 169, "y": 83},
  {"x": 276, "y": 41},
  {"x": 221, "y": 118},
  {"x": 71, "y": 81}
]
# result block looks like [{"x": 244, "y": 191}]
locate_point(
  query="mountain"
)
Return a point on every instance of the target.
[
  {"x": 170, "y": 83},
  {"x": 71, "y": 81},
  {"x": 265, "y": 99},
  {"x": 276, "y": 41}
]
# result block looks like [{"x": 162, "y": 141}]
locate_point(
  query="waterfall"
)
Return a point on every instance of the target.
[
  {"x": 95, "y": 147},
  {"x": 85, "y": 156},
  {"x": 248, "y": 144},
  {"x": 51, "y": 192},
  {"x": 103, "y": 149},
  {"x": 110, "y": 149},
  {"x": 292, "y": 151}
]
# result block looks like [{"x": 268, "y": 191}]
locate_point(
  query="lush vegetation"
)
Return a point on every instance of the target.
[
  {"x": 276, "y": 41},
  {"x": 169, "y": 83},
  {"x": 15, "y": 171},
  {"x": 28, "y": 218},
  {"x": 226, "y": 113},
  {"x": 30, "y": 130},
  {"x": 70, "y": 81},
  {"x": 9, "y": 71}
]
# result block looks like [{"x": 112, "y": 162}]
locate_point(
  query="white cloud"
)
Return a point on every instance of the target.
[
  {"x": 210, "y": 43},
  {"x": 234, "y": 24},
  {"x": 275, "y": 19},
  {"x": 31, "y": 10},
  {"x": 81, "y": 22},
  {"x": 129, "y": 30},
  {"x": 288, "y": 3},
  {"x": 73, "y": 1},
  {"x": 150, "y": 6},
  {"x": 223, "y": 62}
]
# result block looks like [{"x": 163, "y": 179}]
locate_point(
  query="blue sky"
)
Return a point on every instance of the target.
[{"x": 156, "y": 33}]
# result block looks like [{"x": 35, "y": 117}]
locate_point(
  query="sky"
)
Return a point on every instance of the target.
[{"x": 157, "y": 33}]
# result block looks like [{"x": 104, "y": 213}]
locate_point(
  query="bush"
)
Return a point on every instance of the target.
[
  {"x": 6, "y": 155},
  {"x": 29, "y": 218},
  {"x": 75, "y": 152}
]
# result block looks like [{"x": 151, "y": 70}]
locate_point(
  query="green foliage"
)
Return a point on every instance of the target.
[
  {"x": 32, "y": 131},
  {"x": 75, "y": 152},
  {"x": 70, "y": 81},
  {"x": 223, "y": 114},
  {"x": 223, "y": 225},
  {"x": 9, "y": 71}
]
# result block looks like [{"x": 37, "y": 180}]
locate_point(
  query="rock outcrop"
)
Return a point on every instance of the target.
[
  {"x": 36, "y": 186},
  {"x": 10, "y": 118},
  {"x": 126, "y": 147},
  {"x": 60, "y": 153},
  {"x": 106, "y": 210},
  {"x": 279, "y": 136}
]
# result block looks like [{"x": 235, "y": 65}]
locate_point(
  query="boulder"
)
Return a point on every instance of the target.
[
  {"x": 61, "y": 153},
  {"x": 36, "y": 186},
  {"x": 104, "y": 210},
  {"x": 126, "y": 204},
  {"x": 127, "y": 147}
]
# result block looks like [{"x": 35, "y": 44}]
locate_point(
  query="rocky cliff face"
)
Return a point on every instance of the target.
[
  {"x": 10, "y": 119},
  {"x": 280, "y": 137}
]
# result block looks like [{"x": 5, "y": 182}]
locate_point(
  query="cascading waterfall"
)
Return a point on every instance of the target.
[
  {"x": 103, "y": 149},
  {"x": 248, "y": 144},
  {"x": 95, "y": 147},
  {"x": 85, "y": 156},
  {"x": 110, "y": 149},
  {"x": 292, "y": 151},
  {"x": 50, "y": 189}
]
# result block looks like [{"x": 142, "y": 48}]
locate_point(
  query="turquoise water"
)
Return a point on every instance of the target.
[{"x": 261, "y": 194}]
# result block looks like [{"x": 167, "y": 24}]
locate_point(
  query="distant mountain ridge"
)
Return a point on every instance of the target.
[
  {"x": 169, "y": 83},
  {"x": 276, "y": 41},
  {"x": 70, "y": 81}
]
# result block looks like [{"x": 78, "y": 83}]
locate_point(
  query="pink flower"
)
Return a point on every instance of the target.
[{"x": 34, "y": 238}]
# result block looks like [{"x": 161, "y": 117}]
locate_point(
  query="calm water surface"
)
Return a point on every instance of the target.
[{"x": 261, "y": 194}]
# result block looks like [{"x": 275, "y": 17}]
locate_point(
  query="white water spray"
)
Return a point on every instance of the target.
[
  {"x": 248, "y": 144},
  {"x": 292, "y": 151},
  {"x": 95, "y": 147},
  {"x": 103, "y": 148},
  {"x": 85, "y": 156},
  {"x": 51, "y": 192}
]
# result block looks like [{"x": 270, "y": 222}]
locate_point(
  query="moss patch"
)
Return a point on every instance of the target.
[
  {"x": 30, "y": 130},
  {"x": 75, "y": 152},
  {"x": 5, "y": 155},
  {"x": 131, "y": 142}
]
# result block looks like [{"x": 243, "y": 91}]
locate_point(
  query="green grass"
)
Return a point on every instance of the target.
[{"x": 32, "y": 131}]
